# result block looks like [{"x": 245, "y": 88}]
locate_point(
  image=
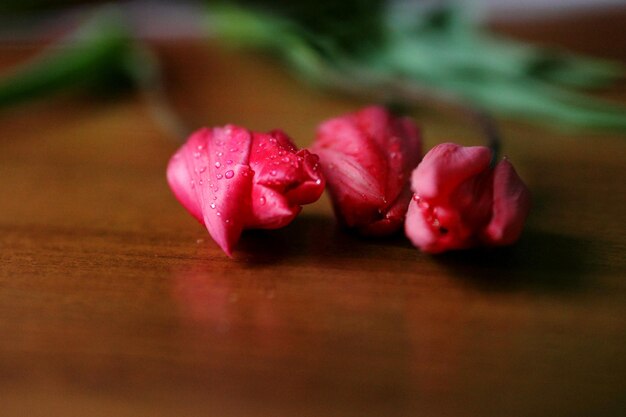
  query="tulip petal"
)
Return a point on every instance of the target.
[
  {"x": 419, "y": 231},
  {"x": 511, "y": 204},
  {"x": 284, "y": 180},
  {"x": 393, "y": 217},
  {"x": 216, "y": 161},
  {"x": 183, "y": 185},
  {"x": 446, "y": 166}
]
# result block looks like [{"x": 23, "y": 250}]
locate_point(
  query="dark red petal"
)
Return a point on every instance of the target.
[
  {"x": 447, "y": 166},
  {"x": 511, "y": 204}
]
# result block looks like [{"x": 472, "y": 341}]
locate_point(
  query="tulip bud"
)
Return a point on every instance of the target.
[
  {"x": 232, "y": 179},
  {"x": 460, "y": 201},
  {"x": 367, "y": 158}
]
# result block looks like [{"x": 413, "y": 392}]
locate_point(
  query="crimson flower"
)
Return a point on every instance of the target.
[
  {"x": 460, "y": 201},
  {"x": 231, "y": 179},
  {"x": 367, "y": 158}
]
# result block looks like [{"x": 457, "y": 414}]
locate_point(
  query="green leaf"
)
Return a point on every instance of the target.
[
  {"x": 442, "y": 53},
  {"x": 98, "y": 54}
]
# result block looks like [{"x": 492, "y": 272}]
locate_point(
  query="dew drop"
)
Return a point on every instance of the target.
[
  {"x": 200, "y": 147},
  {"x": 218, "y": 213},
  {"x": 219, "y": 176},
  {"x": 220, "y": 153},
  {"x": 273, "y": 173},
  {"x": 262, "y": 201},
  {"x": 218, "y": 164},
  {"x": 202, "y": 169},
  {"x": 233, "y": 149},
  {"x": 318, "y": 181},
  {"x": 285, "y": 159},
  {"x": 229, "y": 162},
  {"x": 197, "y": 155},
  {"x": 201, "y": 181},
  {"x": 229, "y": 174},
  {"x": 212, "y": 205}
]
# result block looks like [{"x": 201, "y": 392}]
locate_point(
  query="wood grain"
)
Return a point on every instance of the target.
[{"x": 114, "y": 302}]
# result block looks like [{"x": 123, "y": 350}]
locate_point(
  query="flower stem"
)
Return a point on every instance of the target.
[
  {"x": 102, "y": 55},
  {"x": 490, "y": 129}
]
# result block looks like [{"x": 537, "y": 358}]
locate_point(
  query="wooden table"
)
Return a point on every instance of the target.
[{"x": 114, "y": 302}]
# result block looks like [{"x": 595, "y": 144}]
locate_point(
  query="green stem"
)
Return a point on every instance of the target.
[{"x": 98, "y": 52}]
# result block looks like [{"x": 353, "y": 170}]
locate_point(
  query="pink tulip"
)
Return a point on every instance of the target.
[
  {"x": 232, "y": 179},
  {"x": 460, "y": 201},
  {"x": 367, "y": 158}
]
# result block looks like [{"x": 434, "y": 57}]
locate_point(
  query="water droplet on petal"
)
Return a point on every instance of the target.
[
  {"x": 220, "y": 153},
  {"x": 318, "y": 181},
  {"x": 218, "y": 164},
  {"x": 285, "y": 159},
  {"x": 219, "y": 176},
  {"x": 273, "y": 172},
  {"x": 229, "y": 162},
  {"x": 229, "y": 174},
  {"x": 212, "y": 205},
  {"x": 200, "y": 147},
  {"x": 202, "y": 169},
  {"x": 218, "y": 213},
  {"x": 262, "y": 201},
  {"x": 197, "y": 155}
]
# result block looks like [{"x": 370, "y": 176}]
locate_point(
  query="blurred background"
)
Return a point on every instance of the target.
[{"x": 487, "y": 55}]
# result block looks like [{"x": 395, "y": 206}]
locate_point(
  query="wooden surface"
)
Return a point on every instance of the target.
[{"x": 114, "y": 302}]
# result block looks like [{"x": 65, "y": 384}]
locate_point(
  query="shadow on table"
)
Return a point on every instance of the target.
[
  {"x": 539, "y": 261},
  {"x": 317, "y": 238}
]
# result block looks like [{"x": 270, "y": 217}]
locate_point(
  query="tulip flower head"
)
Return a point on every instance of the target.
[
  {"x": 232, "y": 179},
  {"x": 461, "y": 201},
  {"x": 367, "y": 158}
]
